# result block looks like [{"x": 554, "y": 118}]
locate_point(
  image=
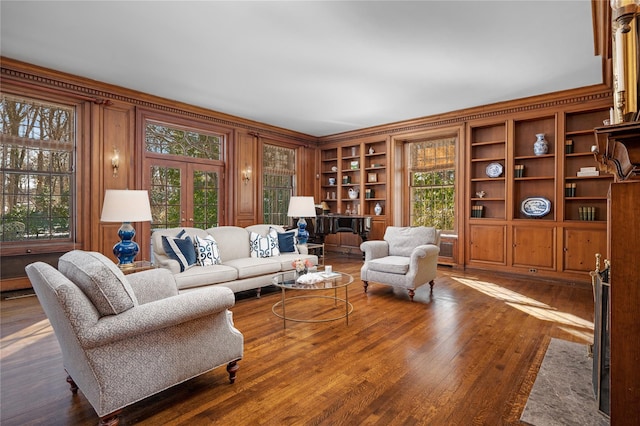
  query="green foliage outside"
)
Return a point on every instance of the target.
[
  {"x": 433, "y": 199},
  {"x": 36, "y": 151}
]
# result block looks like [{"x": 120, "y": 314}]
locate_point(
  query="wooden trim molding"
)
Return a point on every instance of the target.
[
  {"x": 27, "y": 75},
  {"x": 577, "y": 96}
]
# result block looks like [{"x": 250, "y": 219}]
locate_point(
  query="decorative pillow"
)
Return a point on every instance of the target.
[
  {"x": 287, "y": 242},
  {"x": 272, "y": 236},
  {"x": 262, "y": 246},
  {"x": 100, "y": 280},
  {"x": 207, "y": 251},
  {"x": 181, "y": 249}
]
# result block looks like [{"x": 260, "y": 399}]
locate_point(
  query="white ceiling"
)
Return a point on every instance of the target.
[{"x": 319, "y": 68}]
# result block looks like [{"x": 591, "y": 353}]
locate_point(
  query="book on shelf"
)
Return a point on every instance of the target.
[{"x": 588, "y": 173}]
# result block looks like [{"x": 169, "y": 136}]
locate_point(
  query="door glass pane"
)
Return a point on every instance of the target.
[
  {"x": 205, "y": 199},
  {"x": 165, "y": 197}
]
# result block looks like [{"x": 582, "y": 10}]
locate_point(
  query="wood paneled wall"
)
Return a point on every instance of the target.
[{"x": 108, "y": 116}]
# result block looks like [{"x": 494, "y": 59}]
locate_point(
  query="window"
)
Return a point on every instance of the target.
[
  {"x": 279, "y": 168},
  {"x": 184, "y": 176},
  {"x": 432, "y": 183},
  {"x": 164, "y": 139},
  {"x": 36, "y": 155}
]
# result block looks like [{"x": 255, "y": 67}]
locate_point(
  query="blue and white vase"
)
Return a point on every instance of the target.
[
  {"x": 541, "y": 146},
  {"x": 377, "y": 209}
]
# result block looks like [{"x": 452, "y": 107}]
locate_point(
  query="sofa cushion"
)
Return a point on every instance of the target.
[
  {"x": 233, "y": 242},
  {"x": 390, "y": 264},
  {"x": 402, "y": 240},
  {"x": 287, "y": 242},
  {"x": 198, "y": 276},
  {"x": 263, "y": 245},
  {"x": 181, "y": 249},
  {"x": 207, "y": 251},
  {"x": 253, "y": 267},
  {"x": 100, "y": 280}
]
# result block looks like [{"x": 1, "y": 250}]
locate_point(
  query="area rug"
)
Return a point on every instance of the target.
[{"x": 562, "y": 393}]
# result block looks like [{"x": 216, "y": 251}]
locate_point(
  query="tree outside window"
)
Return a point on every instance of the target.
[
  {"x": 36, "y": 165},
  {"x": 278, "y": 180},
  {"x": 432, "y": 183}
]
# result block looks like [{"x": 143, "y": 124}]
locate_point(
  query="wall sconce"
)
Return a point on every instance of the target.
[
  {"x": 246, "y": 175},
  {"x": 115, "y": 161}
]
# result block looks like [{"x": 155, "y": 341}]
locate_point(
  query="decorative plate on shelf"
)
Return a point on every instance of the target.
[
  {"x": 494, "y": 170},
  {"x": 535, "y": 206}
]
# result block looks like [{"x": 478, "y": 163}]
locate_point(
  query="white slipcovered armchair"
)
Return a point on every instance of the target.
[
  {"x": 408, "y": 258},
  {"x": 124, "y": 338}
]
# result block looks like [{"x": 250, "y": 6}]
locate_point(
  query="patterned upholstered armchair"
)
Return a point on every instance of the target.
[
  {"x": 407, "y": 257},
  {"x": 124, "y": 338}
]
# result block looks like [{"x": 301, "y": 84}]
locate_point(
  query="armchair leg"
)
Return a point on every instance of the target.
[
  {"x": 412, "y": 293},
  {"x": 365, "y": 284},
  {"x": 431, "y": 283},
  {"x": 232, "y": 369},
  {"x": 110, "y": 419},
  {"x": 72, "y": 384}
]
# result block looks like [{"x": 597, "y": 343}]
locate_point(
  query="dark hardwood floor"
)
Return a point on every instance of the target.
[{"x": 467, "y": 354}]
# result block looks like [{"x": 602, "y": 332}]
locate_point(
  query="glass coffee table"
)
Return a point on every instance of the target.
[{"x": 318, "y": 287}]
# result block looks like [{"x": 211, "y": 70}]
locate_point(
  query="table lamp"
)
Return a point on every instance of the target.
[
  {"x": 302, "y": 207},
  {"x": 126, "y": 206}
]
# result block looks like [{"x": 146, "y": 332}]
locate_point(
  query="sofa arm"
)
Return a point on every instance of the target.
[
  {"x": 154, "y": 284},
  {"x": 171, "y": 264},
  {"x": 157, "y": 315},
  {"x": 422, "y": 255},
  {"x": 374, "y": 249}
]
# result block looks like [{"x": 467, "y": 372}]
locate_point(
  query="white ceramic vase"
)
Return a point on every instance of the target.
[
  {"x": 541, "y": 146},
  {"x": 377, "y": 209}
]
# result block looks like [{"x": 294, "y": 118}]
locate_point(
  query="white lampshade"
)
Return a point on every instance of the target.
[
  {"x": 301, "y": 207},
  {"x": 124, "y": 205}
]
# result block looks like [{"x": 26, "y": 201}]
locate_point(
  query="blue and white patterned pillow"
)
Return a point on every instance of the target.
[
  {"x": 181, "y": 249},
  {"x": 207, "y": 251},
  {"x": 272, "y": 236},
  {"x": 263, "y": 246}
]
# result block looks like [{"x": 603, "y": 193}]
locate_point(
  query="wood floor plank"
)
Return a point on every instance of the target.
[{"x": 466, "y": 353}]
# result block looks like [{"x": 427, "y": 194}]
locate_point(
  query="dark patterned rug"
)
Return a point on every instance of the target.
[{"x": 562, "y": 394}]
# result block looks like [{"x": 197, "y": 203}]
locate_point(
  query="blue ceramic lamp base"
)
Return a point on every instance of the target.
[
  {"x": 127, "y": 249},
  {"x": 303, "y": 234}
]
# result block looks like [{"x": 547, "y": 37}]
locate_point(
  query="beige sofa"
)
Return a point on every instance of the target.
[{"x": 237, "y": 269}]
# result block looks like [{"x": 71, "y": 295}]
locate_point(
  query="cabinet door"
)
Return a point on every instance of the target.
[
  {"x": 378, "y": 227},
  {"x": 534, "y": 246},
  {"x": 487, "y": 243},
  {"x": 580, "y": 247}
]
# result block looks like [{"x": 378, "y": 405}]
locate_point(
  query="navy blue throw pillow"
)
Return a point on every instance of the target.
[
  {"x": 287, "y": 242},
  {"x": 180, "y": 249}
]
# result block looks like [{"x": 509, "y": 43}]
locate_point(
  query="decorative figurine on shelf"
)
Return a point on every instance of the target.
[
  {"x": 354, "y": 193},
  {"x": 371, "y": 150},
  {"x": 377, "y": 209},
  {"x": 541, "y": 146},
  {"x": 480, "y": 194}
]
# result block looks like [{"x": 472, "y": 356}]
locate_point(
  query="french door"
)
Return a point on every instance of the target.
[{"x": 184, "y": 193}]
